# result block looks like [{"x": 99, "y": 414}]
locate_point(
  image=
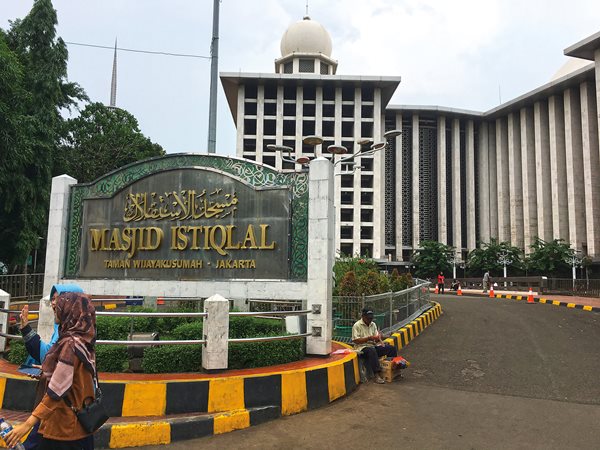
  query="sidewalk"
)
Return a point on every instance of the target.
[{"x": 547, "y": 298}]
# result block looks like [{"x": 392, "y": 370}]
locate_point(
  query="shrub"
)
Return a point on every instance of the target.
[
  {"x": 368, "y": 284},
  {"x": 113, "y": 328},
  {"x": 241, "y": 327},
  {"x": 188, "y": 331},
  {"x": 111, "y": 358},
  {"x": 260, "y": 354},
  {"x": 172, "y": 358},
  {"x": 348, "y": 285},
  {"x": 18, "y": 352}
]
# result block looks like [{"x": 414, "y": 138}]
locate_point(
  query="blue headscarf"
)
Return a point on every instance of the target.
[{"x": 45, "y": 346}]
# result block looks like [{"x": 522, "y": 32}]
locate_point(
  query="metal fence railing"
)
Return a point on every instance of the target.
[
  {"x": 568, "y": 286},
  {"x": 391, "y": 309},
  {"x": 23, "y": 287}
]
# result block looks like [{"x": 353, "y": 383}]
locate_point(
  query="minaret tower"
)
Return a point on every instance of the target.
[{"x": 113, "y": 84}]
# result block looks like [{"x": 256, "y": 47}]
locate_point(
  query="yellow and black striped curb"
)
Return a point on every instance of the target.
[
  {"x": 548, "y": 301},
  {"x": 214, "y": 405},
  {"x": 407, "y": 333}
]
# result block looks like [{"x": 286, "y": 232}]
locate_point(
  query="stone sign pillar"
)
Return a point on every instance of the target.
[
  {"x": 321, "y": 256},
  {"x": 216, "y": 333},
  {"x": 56, "y": 245}
]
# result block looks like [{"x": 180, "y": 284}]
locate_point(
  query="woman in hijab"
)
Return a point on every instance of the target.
[
  {"x": 67, "y": 377},
  {"x": 37, "y": 349}
]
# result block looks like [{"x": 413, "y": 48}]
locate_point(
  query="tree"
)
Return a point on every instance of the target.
[
  {"x": 45, "y": 92},
  {"x": 100, "y": 140},
  {"x": 431, "y": 259},
  {"x": 550, "y": 258},
  {"x": 487, "y": 257}
]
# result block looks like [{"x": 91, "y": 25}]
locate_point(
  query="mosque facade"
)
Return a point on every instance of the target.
[{"x": 528, "y": 168}]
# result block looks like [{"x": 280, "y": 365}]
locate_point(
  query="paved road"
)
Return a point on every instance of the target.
[{"x": 489, "y": 374}]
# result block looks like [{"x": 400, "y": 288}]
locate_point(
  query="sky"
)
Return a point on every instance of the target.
[{"x": 467, "y": 54}]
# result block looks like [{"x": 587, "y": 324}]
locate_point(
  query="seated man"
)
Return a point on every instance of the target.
[
  {"x": 455, "y": 285},
  {"x": 366, "y": 338}
]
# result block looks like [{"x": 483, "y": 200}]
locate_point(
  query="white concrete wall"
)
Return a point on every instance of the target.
[
  {"x": 456, "y": 189},
  {"x": 543, "y": 176},
  {"x": 515, "y": 182},
  {"x": 470, "y": 184},
  {"x": 483, "y": 174},
  {"x": 442, "y": 195},
  {"x": 558, "y": 169}
]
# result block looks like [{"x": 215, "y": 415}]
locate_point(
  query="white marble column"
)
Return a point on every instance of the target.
[
  {"x": 591, "y": 166},
  {"x": 558, "y": 169},
  {"x": 574, "y": 161},
  {"x": 415, "y": 182},
  {"x": 493, "y": 181},
  {"x": 456, "y": 190},
  {"x": 216, "y": 332},
  {"x": 378, "y": 179},
  {"x": 398, "y": 200},
  {"x": 530, "y": 222},
  {"x": 442, "y": 211},
  {"x": 483, "y": 171},
  {"x": 278, "y": 124},
  {"x": 58, "y": 222},
  {"x": 503, "y": 179},
  {"x": 543, "y": 176},
  {"x": 515, "y": 182},
  {"x": 321, "y": 256},
  {"x": 240, "y": 121},
  {"x": 470, "y": 185},
  {"x": 260, "y": 123}
]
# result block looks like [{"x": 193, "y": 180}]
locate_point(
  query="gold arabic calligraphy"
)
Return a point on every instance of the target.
[{"x": 184, "y": 205}]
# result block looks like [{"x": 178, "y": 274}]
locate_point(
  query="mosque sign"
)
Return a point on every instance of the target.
[{"x": 177, "y": 220}]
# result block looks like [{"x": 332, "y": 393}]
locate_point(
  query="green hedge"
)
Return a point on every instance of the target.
[
  {"x": 172, "y": 358},
  {"x": 112, "y": 358},
  {"x": 18, "y": 352},
  {"x": 187, "y": 358},
  {"x": 260, "y": 354}
]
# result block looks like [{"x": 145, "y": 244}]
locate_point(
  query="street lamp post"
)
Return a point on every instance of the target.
[
  {"x": 575, "y": 259},
  {"x": 504, "y": 259}
]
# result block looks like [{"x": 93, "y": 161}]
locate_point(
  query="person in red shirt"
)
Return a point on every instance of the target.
[{"x": 440, "y": 282}]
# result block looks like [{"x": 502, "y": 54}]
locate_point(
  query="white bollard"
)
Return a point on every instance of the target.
[
  {"x": 216, "y": 333},
  {"x": 4, "y": 304}
]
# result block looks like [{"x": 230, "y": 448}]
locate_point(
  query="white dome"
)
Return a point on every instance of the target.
[
  {"x": 306, "y": 36},
  {"x": 570, "y": 66}
]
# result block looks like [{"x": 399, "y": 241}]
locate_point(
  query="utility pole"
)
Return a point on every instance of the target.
[{"x": 214, "y": 72}]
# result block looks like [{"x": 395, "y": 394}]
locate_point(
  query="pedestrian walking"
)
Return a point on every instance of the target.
[{"x": 486, "y": 281}]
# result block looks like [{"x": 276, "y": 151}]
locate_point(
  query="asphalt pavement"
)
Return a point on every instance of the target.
[{"x": 488, "y": 374}]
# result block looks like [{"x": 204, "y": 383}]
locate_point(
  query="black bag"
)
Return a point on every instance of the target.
[{"x": 93, "y": 415}]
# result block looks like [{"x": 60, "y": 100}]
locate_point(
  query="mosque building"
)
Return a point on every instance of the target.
[{"x": 525, "y": 169}]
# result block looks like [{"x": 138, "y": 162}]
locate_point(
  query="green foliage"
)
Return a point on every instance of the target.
[
  {"x": 260, "y": 354},
  {"x": 550, "y": 258},
  {"x": 111, "y": 358},
  {"x": 33, "y": 81},
  {"x": 487, "y": 257},
  {"x": 345, "y": 264},
  {"x": 100, "y": 140},
  {"x": 431, "y": 259},
  {"x": 348, "y": 285},
  {"x": 241, "y": 327},
  {"x": 172, "y": 358},
  {"x": 18, "y": 352},
  {"x": 369, "y": 283},
  {"x": 400, "y": 282},
  {"x": 112, "y": 328},
  {"x": 188, "y": 331}
]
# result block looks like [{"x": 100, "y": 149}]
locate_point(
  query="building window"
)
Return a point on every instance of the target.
[
  {"x": 328, "y": 128},
  {"x": 366, "y": 129},
  {"x": 269, "y": 127},
  {"x": 288, "y": 67},
  {"x": 346, "y": 215},
  {"x": 308, "y": 110},
  {"x": 289, "y": 93},
  {"x": 289, "y": 109},
  {"x": 346, "y": 232},
  {"x": 366, "y": 232},
  {"x": 347, "y": 129},
  {"x": 348, "y": 111},
  {"x": 366, "y": 215},
  {"x": 271, "y": 91},
  {"x": 348, "y": 93},
  {"x": 328, "y": 110},
  {"x": 346, "y": 249},
  {"x": 306, "y": 65},
  {"x": 269, "y": 160},
  {"x": 324, "y": 69},
  {"x": 289, "y": 127},
  {"x": 250, "y": 91},
  {"x": 328, "y": 92},
  {"x": 367, "y": 111},
  {"x": 310, "y": 92},
  {"x": 250, "y": 126},
  {"x": 367, "y": 94},
  {"x": 250, "y": 108},
  {"x": 346, "y": 198},
  {"x": 308, "y": 127},
  {"x": 249, "y": 145},
  {"x": 270, "y": 109}
]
